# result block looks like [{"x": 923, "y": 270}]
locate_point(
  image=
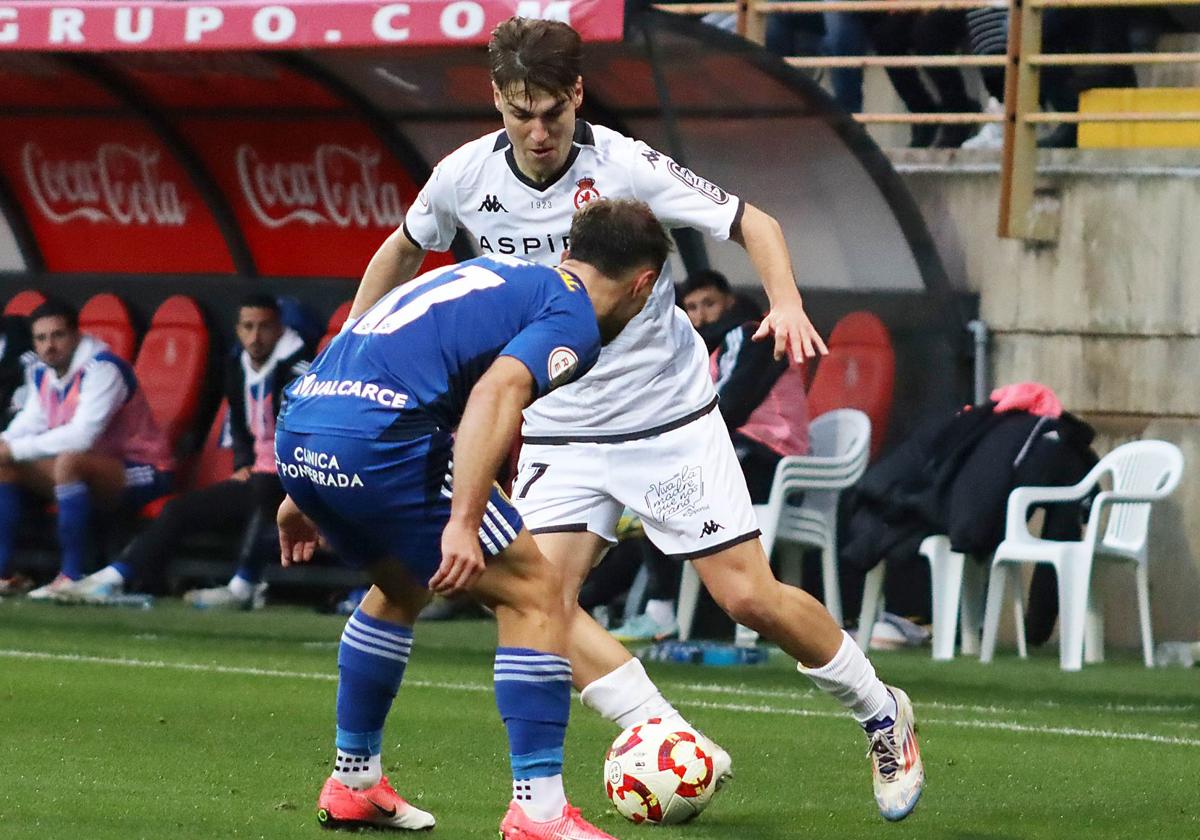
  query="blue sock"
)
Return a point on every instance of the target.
[
  {"x": 10, "y": 515},
  {"x": 74, "y": 517},
  {"x": 533, "y": 694},
  {"x": 371, "y": 662}
]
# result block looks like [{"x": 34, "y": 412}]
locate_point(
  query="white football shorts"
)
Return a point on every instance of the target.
[{"x": 685, "y": 485}]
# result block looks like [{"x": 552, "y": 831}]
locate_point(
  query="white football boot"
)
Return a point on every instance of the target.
[{"x": 896, "y": 762}]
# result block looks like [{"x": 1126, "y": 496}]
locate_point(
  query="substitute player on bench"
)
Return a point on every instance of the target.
[
  {"x": 364, "y": 451},
  {"x": 642, "y": 429}
]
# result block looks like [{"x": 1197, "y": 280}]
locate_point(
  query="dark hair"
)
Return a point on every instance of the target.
[
  {"x": 535, "y": 55},
  {"x": 705, "y": 278},
  {"x": 260, "y": 300},
  {"x": 617, "y": 235},
  {"x": 54, "y": 308}
]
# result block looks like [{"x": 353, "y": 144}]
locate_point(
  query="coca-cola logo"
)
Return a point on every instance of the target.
[
  {"x": 339, "y": 186},
  {"x": 119, "y": 184}
]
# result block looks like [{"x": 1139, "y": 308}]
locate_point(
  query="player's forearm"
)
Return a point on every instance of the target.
[
  {"x": 489, "y": 426},
  {"x": 762, "y": 237},
  {"x": 397, "y": 261}
]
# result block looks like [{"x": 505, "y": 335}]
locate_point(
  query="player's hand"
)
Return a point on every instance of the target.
[
  {"x": 462, "y": 560},
  {"x": 789, "y": 324},
  {"x": 298, "y": 535},
  {"x": 241, "y": 475},
  {"x": 6, "y": 456}
]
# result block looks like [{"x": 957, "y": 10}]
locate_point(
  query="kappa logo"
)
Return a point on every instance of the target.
[
  {"x": 651, "y": 157},
  {"x": 711, "y": 527},
  {"x": 492, "y": 204}
]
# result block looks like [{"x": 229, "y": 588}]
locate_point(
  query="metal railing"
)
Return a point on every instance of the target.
[{"x": 1023, "y": 64}]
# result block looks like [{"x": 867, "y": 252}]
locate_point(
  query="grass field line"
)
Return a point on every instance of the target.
[
  {"x": 239, "y": 670},
  {"x": 744, "y": 691},
  {"x": 967, "y": 723}
]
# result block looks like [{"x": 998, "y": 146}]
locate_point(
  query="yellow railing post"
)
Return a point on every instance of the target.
[
  {"x": 1021, "y": 94},
  {"x": 756, "y": 20}
]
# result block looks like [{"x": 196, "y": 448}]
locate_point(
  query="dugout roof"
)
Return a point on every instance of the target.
[{"x": 165, "y": 164}]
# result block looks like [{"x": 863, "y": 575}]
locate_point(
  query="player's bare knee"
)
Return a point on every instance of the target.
[
  {"x": 69, "y": 467},
  {"x": 745, "y": 606}
]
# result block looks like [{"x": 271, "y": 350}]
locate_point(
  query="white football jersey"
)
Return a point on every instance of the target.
[{"x": 654, "y": 375}]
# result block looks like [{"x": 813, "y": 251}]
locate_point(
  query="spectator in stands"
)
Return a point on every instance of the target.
[
  {"x": 1063, "y": 30},
  {"x": 271, "y": 356},
  {"x": 926, "y": 33},
  {"x": 845, "y": 34},
  {"x": 84, "y": 437},
  {"x": 763, "y": 404}
]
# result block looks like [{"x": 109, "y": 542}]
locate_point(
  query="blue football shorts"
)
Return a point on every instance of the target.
[
  {"x": 144, "y": 483},
  {"x": 377, "y": 499}
]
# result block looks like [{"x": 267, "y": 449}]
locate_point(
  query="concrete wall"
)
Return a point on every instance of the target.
[{"x": 1108, "y": 315}]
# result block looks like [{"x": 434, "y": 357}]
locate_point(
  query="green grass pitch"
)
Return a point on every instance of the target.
[{"x": 170, "y": 723}]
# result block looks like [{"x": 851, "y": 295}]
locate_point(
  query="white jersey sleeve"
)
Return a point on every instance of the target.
[
  {"x": 101, "y": 395},
  {"x": 432, "y": 220},
  {"x": 680, "y": 197}
]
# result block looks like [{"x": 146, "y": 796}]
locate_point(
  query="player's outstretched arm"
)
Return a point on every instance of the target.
[
  {"x": 489, "y": 424},
  {"x": 762, "y": 237},
  {"x": 397, "y": 261}
]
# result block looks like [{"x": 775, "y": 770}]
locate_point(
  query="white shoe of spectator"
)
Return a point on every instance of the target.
[
  {"x": 225, "y": 598},
  {"x": 50, "y": 591},
  {"x": 991, "y": 136},
  {"x": 96, "y": 588}
]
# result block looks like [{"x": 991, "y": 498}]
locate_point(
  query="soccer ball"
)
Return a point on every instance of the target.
[{"x": 657, "y": 773}]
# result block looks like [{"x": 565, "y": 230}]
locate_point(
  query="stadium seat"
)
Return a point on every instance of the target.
[
  {"x": 213, "y": 464},
  {"x": 839, "y": 443},
  {"x": 172, "y": 362},
  {"x": 25, "y": 302},
  {"x": 1140, "y": 472},
  {"x": 859, "y": 372},
  {"x": 336, "y": 320},
  {"x": 106, "y": 317}
]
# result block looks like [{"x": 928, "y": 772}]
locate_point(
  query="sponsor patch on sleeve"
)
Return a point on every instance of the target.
[
  {"x": 562, "y": 364},
  {"x": 703, "y": 186}
]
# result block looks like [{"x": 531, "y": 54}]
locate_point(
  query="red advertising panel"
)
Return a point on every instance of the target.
[
  {"x": 314, "y": 198},
  {"x": 103, "y": 25},
  {"x": 104, "y": 195}
]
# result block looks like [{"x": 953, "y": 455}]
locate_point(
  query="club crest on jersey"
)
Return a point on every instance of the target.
[
  {"x": 561, "y": 364},
  {"x": 586, "y": 191}
]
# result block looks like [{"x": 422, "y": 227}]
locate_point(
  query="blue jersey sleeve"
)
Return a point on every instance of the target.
[{"x": 562, "y": 343}]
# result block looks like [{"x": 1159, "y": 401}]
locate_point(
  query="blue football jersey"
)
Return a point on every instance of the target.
[{"x": 409, "y": 362}]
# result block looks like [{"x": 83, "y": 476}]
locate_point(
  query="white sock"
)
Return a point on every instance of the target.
[
  {"x": 541, "y": 799},
  {"x": 240, "y": 587},
  {"x": 357, "y": 771},
  {"x": 850, "y": 678},
  {"x": 107, "y": 575},
  {"x": 627, "y": 696},
  {"x": 661, "y": 612}
]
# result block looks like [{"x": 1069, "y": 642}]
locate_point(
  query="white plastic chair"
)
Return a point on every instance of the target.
[
  {"x": 1142, "y": 472},
  {"x": 957, "y": 589},
  {"x": 839, "y": 443}
]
